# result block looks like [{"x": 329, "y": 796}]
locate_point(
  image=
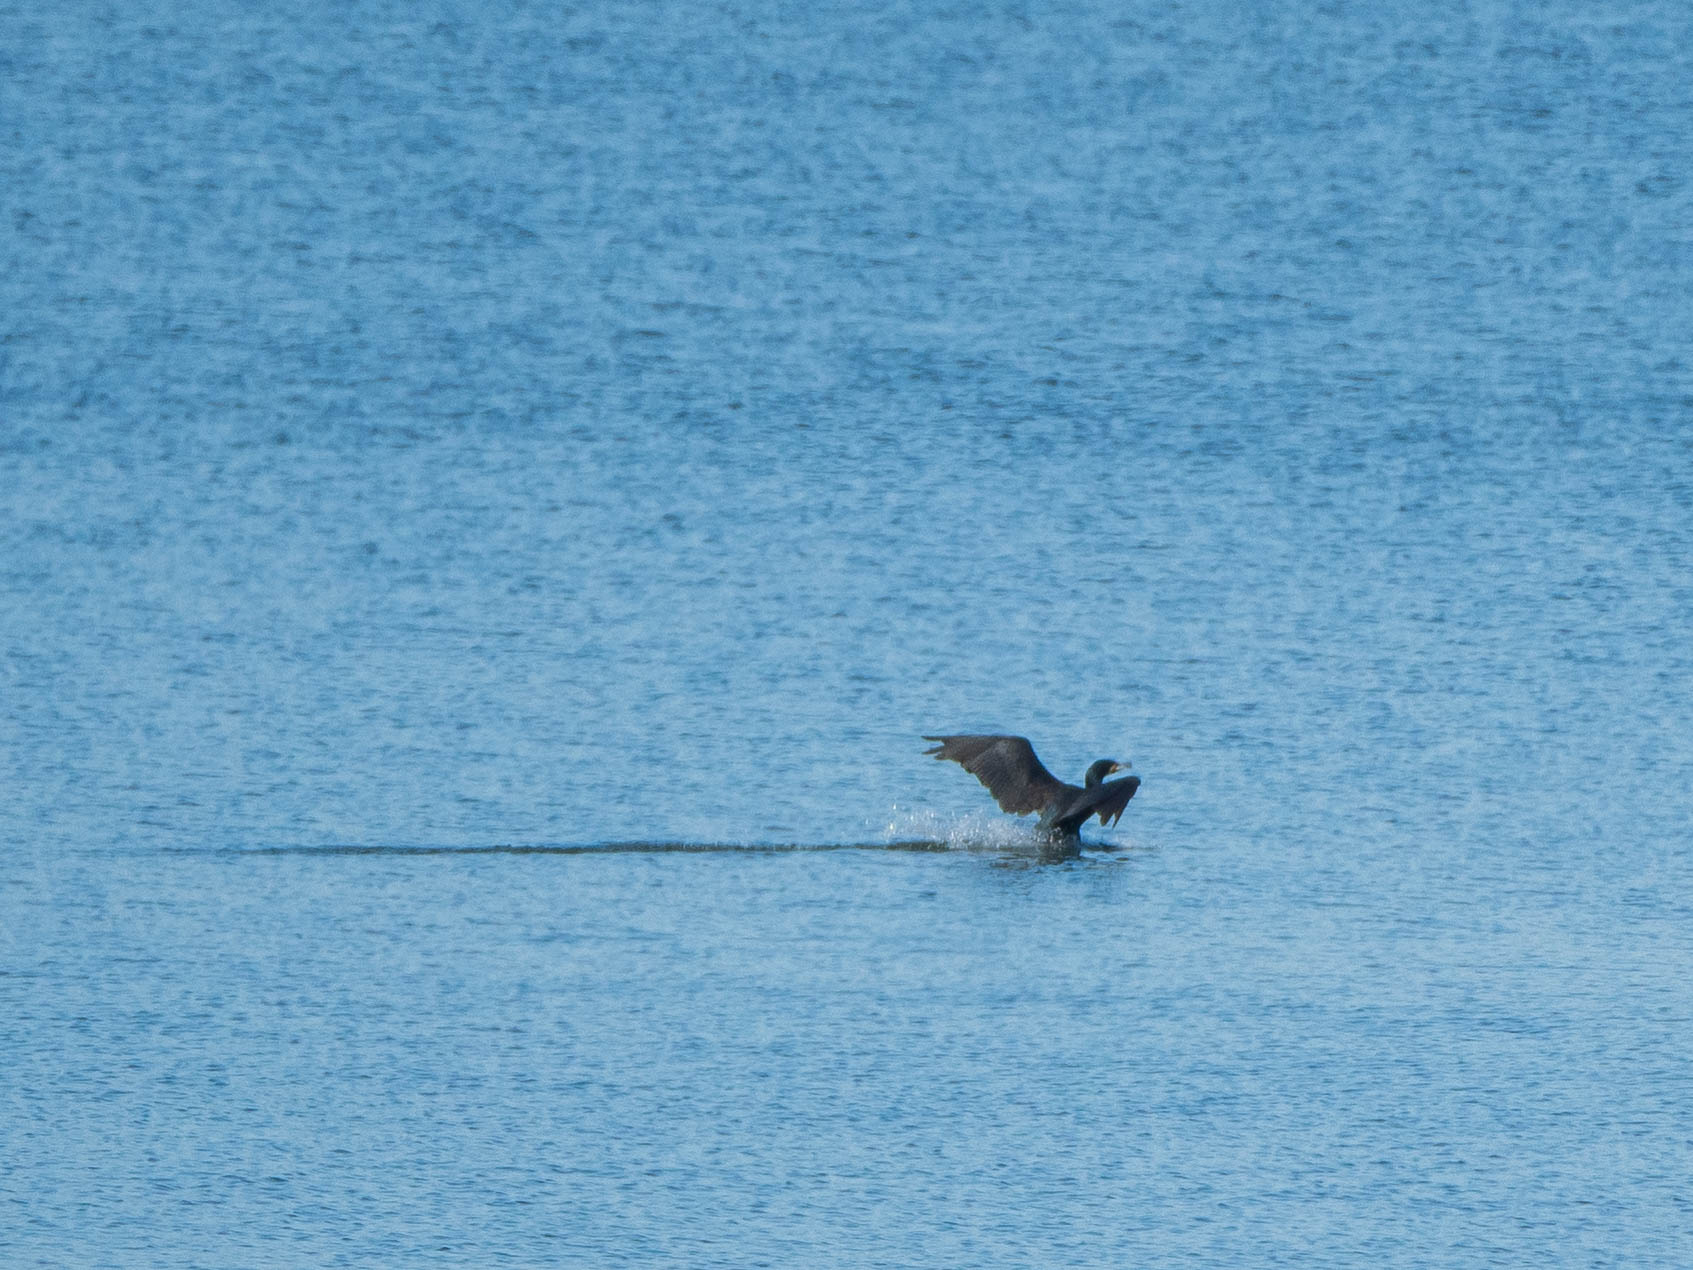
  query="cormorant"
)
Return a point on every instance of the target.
[{"x": 1020, "y": 783}]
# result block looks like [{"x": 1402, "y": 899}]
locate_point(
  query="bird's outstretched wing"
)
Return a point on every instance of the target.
[
  {"x": 1006, "y": 765},
  {"x": 1107, "y": 800}
]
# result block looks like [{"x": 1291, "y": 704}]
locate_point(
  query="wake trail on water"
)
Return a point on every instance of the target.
[{"x": 903, "y": 829}]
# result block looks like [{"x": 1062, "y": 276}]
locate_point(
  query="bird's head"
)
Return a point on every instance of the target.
[{"x": 1103, "y": 768}]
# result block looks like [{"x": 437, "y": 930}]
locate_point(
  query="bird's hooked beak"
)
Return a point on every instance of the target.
[{"x": 1121, "y": 767}]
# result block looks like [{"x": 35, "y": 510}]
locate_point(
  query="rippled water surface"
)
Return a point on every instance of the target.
[{"x": 490, "y": 499}]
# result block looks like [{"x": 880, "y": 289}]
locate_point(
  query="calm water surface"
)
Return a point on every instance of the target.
[{"x": 490, "y": 499}]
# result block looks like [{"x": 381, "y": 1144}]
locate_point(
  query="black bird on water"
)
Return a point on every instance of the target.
[{"x": 1020, "y": 783}]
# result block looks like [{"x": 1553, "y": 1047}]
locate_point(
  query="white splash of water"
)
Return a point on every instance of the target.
[{"x": 975, "y": 831}]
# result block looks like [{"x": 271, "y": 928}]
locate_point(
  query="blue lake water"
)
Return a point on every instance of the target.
[{"x": 491, "y": 497}]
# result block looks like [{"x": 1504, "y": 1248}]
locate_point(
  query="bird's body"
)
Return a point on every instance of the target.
[{"x": 1020, "y": 783}]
